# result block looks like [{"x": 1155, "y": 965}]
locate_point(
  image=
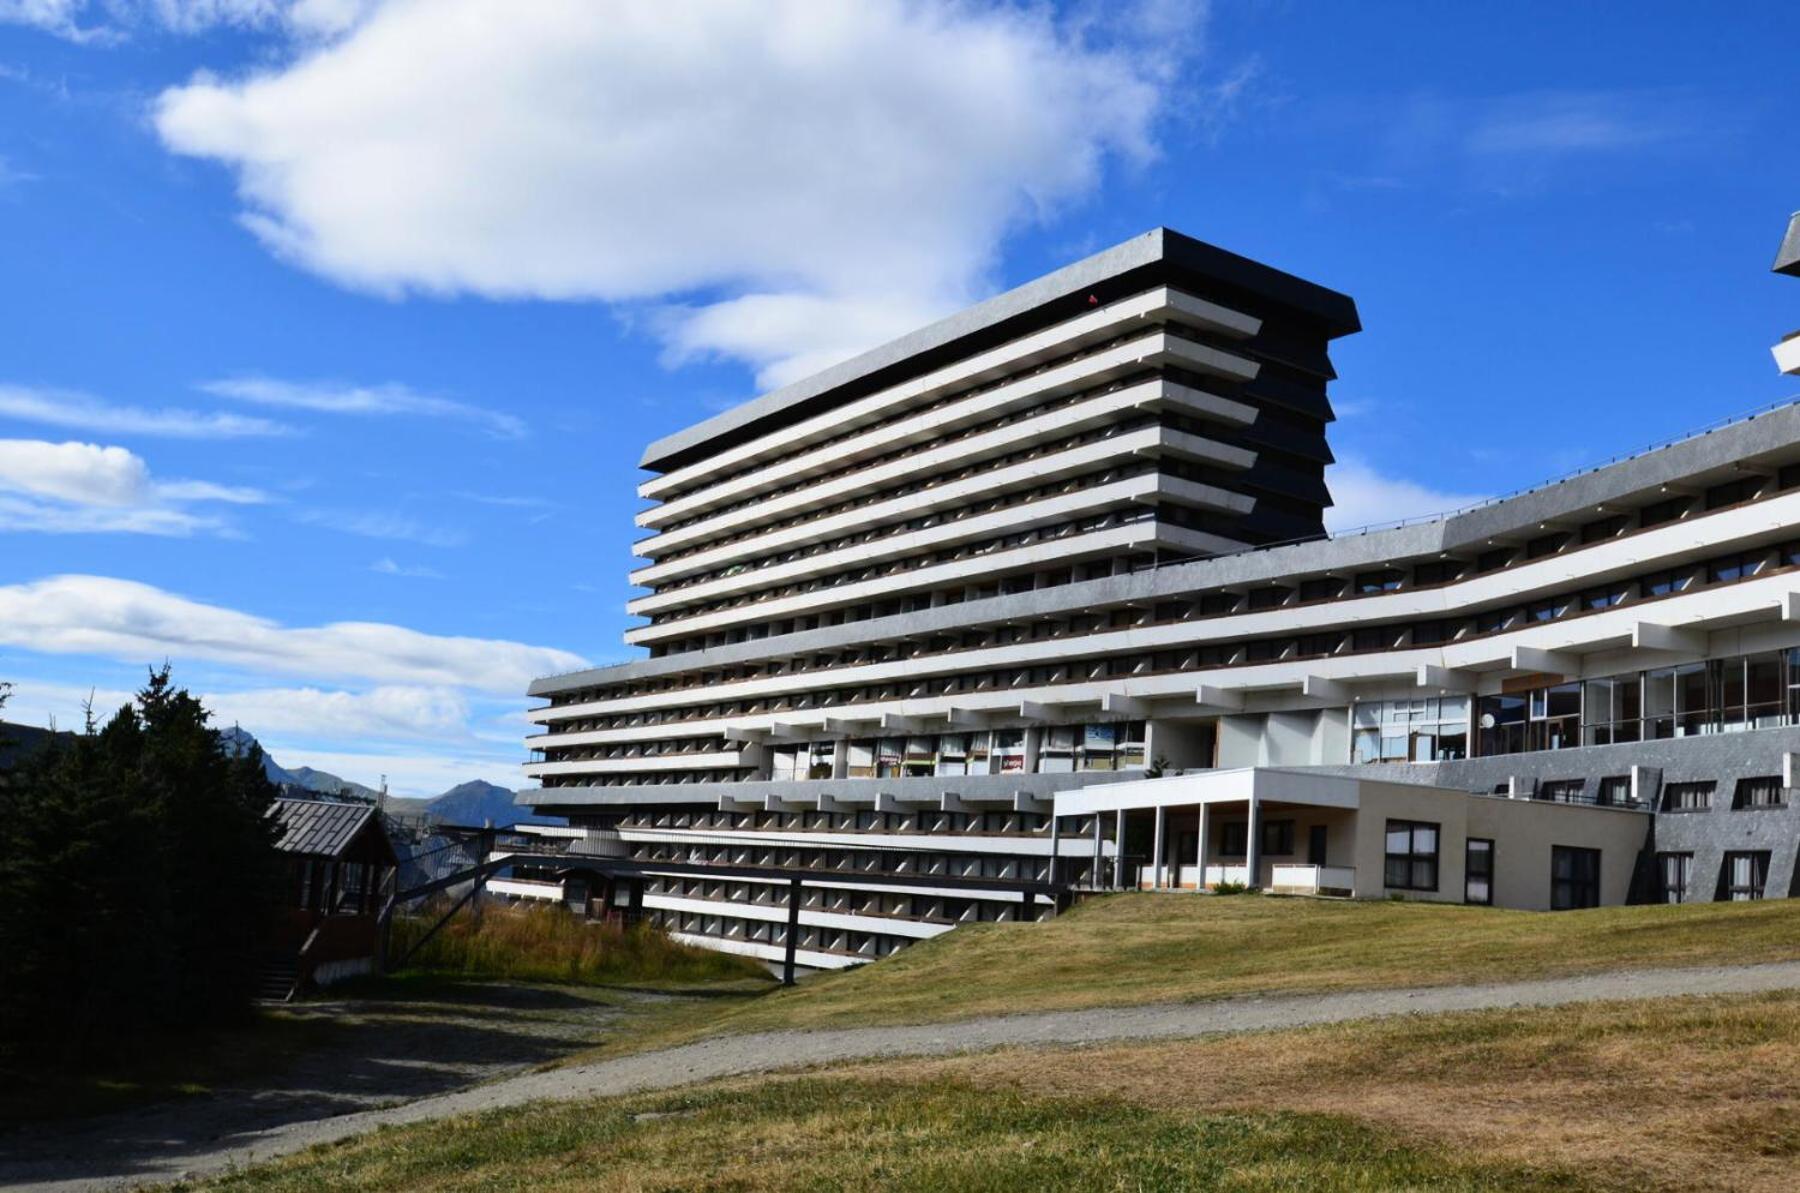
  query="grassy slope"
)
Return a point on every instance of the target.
[
  {"x": 1123, "y": 950},
  {"x": 547, "y": 944},
  {"x": 1673, "y": 1094}
]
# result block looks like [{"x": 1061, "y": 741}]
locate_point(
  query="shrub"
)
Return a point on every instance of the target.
[{"x": 549, "y": 944}]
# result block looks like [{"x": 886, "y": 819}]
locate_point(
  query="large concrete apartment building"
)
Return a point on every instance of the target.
[{"x": 1038, "y": 599}]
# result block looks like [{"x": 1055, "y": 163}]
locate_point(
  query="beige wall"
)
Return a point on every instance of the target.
[{"x": 1523, "y": 832}]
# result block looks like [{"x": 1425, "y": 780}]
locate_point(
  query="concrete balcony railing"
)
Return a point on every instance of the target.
[
  {"x": 1312, "y": 880},
  {"x": 1787, "y": 354}
]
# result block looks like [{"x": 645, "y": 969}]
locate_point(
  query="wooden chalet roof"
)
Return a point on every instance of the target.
[{"x": 320, "y": 828}]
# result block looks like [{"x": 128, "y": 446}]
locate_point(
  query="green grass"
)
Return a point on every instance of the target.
[
  {"x": 836, "y": 1134},
  {"x": 1658, "y": 1094},
  {"x": 1133, "y": 949},
  {"x": 548, "y": 944}
]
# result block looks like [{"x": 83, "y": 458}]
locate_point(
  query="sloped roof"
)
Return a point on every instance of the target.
[{"x": 319, "y": 828}]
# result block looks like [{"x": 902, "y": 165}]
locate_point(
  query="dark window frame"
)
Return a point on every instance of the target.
[
  {"x": 1416, "y": 867},
  {"x": 1579, "y": 888},
  {"x": 1486, "y": 873}
]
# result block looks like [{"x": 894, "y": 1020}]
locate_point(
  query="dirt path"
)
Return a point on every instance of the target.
[{"x": 107, "y": 1158}]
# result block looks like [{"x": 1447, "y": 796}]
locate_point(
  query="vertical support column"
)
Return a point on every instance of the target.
[
  {"x": 1099, "y": 854},
  {"x": 1253, "y": 843},
  {"x": 1055, "y": 846},
  {"x": 793, "y": 933},
  {"x": 1156, "y": 849},
  {"x": 1119, "y": 852},
  {"x": 1200, "y": 852}
]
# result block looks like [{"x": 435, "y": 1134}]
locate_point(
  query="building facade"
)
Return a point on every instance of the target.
[{"x": 1041, "y": 594}]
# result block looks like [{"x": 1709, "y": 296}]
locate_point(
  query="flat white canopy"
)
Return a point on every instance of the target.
[{"x": 1213, "y": 787}]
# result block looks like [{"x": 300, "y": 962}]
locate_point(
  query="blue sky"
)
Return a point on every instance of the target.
[{"x": 330, "y": 330}]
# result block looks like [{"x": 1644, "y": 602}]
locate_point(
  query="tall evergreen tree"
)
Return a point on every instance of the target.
[{"x": 137, "y": 876}]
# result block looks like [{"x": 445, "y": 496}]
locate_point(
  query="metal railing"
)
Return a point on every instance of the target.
[{"x": 1443, "y": 516}]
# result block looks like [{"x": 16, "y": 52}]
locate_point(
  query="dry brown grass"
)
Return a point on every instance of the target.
[
  {"x": 1135, "y": 949},
  {"x": 1675, "y": 1093}
]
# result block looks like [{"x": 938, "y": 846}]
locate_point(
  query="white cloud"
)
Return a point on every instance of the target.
[
  {"x": 84, "y": 473},
  {"x": 135, "y": 623},
  {"x": 73, "y": 488},
  {"x": 335, "y": 398},
  {"x": 388, "y": 567},
  {"x": 371, "y": 525},
  {"x": 113, "y": 20},
  {"x": 83, "y": 412},
  {"x": 1365, "y": 497},
  {"x": 381, "y": 712},
  {"x": 798, "y": 180}
]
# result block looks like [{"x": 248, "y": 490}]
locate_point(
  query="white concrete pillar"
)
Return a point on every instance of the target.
[
  {"x": 1055, "y": 845},
  {"x": 1099, "y": 855},
  {"x": 1119, "y": 852},
  {"x": 1252, "y": 843},
  {"x": 1156, "y": 850},
  {"x": 1200, "y": 852}
]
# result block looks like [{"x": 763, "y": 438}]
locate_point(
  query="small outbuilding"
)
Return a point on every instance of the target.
[{"x": 340, "y": 866}]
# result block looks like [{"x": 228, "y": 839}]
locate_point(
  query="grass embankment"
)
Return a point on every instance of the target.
[
  {"x": 547, "y": 944},
  {"x": 1132, "y": 949},
  {"x": 1669, "y": 1094}
]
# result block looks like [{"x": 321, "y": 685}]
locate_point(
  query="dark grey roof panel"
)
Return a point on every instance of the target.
[
  {"x": 318, "y": 828},
  {"x": 1788, "y": 259},
  {"x": 1161, "y": 246}
]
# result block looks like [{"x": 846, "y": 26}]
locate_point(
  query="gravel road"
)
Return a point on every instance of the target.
[{"x": 96, "y": 1157}]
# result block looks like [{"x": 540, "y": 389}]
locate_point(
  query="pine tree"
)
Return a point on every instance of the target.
[{"x": 137, "y": 877}]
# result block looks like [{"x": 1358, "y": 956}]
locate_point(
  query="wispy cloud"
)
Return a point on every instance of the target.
[
  {"x": 387, "y": 567},
  {"x": 1364, "y": 496},
  {"x": 377, "y": 525},
  {"x": 76, "y": 411},
  {"x": 328, "y": 397},
  {"x": 133, "y": 622},
  {"x": 509, "y": 501},
  {"x": 1561, "y": 122},
  {"x": 84, "y": 488}
]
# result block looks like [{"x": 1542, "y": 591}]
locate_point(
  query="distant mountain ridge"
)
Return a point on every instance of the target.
[{"x": 475, "y": 802}]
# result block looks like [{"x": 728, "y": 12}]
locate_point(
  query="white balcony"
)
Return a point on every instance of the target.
[{"x": 1313, "y": 880}]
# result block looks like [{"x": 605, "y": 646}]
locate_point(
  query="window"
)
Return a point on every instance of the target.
[
  {"x": 1562, "y": 791},
  {"x": 1672, "y": 871},
  {"x": 1412, "y": 856},
  {"x": 1278, "y": 838},
  {"x": 1734, "y": 567},
  {"x": 1687, "y": 797},
  {"x": 1662, "y": 511},
  {"x": 1615, "y": 791},
  {"x": 1574, "y": 878},
  {"x": 1234, "y": 841},
  {"x": 1478, "y": 871},
  {"x": 1429, "y": 729},
  {"x": 1441, "y": 572},
  {"x": 1744, "y": 875},
  {"x": 1663, "y": 583},
  {"x": 1764, "y": 791},
  {"x": 1384, "y": 581},
  {"x": 1322, "y": 589},
  {"x": 1602, "y": 598}
]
